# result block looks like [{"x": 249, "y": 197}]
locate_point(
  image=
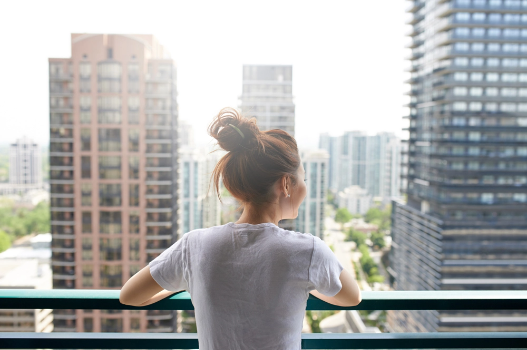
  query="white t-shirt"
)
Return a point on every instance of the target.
[{"x": 249, "y": 283}]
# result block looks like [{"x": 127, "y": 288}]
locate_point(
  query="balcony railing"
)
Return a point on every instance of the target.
[{"x": 412, "y": 300}]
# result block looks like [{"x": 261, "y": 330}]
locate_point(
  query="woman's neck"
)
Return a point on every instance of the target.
[{"x": 260, "y": 214}]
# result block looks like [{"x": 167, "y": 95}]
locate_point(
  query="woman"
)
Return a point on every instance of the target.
[{"x": 250, "y": 280}]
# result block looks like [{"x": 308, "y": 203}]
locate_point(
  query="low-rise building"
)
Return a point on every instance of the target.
[
  {"x": 27, "y": 266},
  {"x": 355, "y": 199}
]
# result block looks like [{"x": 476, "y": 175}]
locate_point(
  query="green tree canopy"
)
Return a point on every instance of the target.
[
  {"x": 377, "y": 238},
  {"x": 381, "y": 218},
  {"x": 5, "y": 241},
  {"x": 343, "y": 216},
  {"x": 18, "y": 222},
  {"x": 356, "y": 236}
]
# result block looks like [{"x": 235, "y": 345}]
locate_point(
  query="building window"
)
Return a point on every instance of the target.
[
  {"x": 86, "y": 222},
  {"x": 86, "y": 167},
  {"x": 476, "y": 76},
  {"x": 87, "y": 276},
  {"x": 110, "y": 195},
  {"x": 134, "y": 269},
  {"x": 186, "y": 217},
  {"x": 133, "y": 140},
  {"x": 88, "y": 324},
  {"x": 110, "y": 222},
  {"x": 114, "y": 325},
  {"x": 85, "y": 77},
  {"x": 134, "y": 249},
  {"x": 109, "y": 167},
  {"x": 85, "y": 117},
  {"x": 85, "y": 103},
  {"x": 195, "y": 179},
  {"x": 186, "y": 180},
  {"x": 87, "y": 248},
  {"x": 133, "y": 78},
  {"x": 134, "y": 195},
  {"x": 491, "y": 91},
  {"x": 85, "y": 139},
  {"x": 134, "y": 223},
  {"x": 460, "y": 91},
  {"x": 135, "y": 324},
  {"x": 133, "y": 167},
  {"x": 109, "y": 110},
  {"x": 492, "y": 77},
  {"x": 476, "y": 62},
  {"x": 476, "y": 91},
  {"x": 109, "y": 140},
  {"x": 110, "y": 249},
  {"x": 85, "y": 70},
  {"x": 460, "y": 76},
  {"x": 109, "y": 77},
  {"x": 493, "y": 47},
  {"x": 86, "y": 194},
  {"x": 313, "y": 179},
  {"x": 111, "y": 276},
  {"x": 133, "y": 109}
]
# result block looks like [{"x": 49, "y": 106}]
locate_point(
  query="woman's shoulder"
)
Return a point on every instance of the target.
[{"x": 297, "y": 237}]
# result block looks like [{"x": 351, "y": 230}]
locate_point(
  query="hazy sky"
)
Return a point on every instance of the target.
[{"x": 347, "y": 57}]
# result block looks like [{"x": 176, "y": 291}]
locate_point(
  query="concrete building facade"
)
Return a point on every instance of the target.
[{"x": 113, "y": 171}]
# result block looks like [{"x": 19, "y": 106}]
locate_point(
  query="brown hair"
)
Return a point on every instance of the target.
[{"x": 255, "y": 159}]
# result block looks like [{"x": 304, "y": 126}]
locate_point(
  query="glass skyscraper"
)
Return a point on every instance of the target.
[{"x": 464, "y": 225}]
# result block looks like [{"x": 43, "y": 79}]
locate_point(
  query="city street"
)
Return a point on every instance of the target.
[{"x": 335, "y": 238}]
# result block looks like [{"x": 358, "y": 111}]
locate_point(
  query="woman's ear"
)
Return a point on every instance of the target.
[{"x": 284, "y": 185}]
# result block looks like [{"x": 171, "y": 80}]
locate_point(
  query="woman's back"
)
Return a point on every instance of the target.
[{"x": 249, "y": 283}]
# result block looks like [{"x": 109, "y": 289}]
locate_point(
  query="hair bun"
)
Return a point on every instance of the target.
[{"x": 232, "y": 131}]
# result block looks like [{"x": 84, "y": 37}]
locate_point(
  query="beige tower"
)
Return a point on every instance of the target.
[{"x": 113, "y": 171}]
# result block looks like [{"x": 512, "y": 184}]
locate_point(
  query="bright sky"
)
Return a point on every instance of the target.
[{"x": 347, "y": 56}]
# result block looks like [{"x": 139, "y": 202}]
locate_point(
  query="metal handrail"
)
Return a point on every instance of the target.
[
  {"x": 448, "y": 340},
  {"x": 392, "y": 300}
]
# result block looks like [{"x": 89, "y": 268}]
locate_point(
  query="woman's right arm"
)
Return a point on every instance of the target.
[{"x": 349, "y": 294}]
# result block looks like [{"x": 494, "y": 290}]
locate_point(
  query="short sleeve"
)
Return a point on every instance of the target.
[
  {"x": 168, "y": 269},
  {"x": 325, "y": 269}
]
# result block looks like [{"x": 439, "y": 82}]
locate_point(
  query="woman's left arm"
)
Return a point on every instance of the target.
[{"x": 141, "y": 290}]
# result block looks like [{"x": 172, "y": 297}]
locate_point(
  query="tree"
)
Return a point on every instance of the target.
[
  {"x": 379, "y": 217},
  {"x": 356, "y": 236},
  {"x": 377, "y": 238},
  {"x": 20, "y": 222},
  {"x": 343, "y": 216},
  {"x": 5, "y": 241},
  {"x": 375, "y": 278}
]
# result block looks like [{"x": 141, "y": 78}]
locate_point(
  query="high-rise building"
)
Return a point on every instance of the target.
[
  {"x": 464, "y": 225},
  {"x": 113, "y": 171},
  {"x": 199, "y": 205},
  {"x": 25, "y": 164},
  {"x": 370, "y": 162},
  {"x": 311, "y": 212},
  {"x": 268, "y": 96},
  {"x": 331, "y": 145}
]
